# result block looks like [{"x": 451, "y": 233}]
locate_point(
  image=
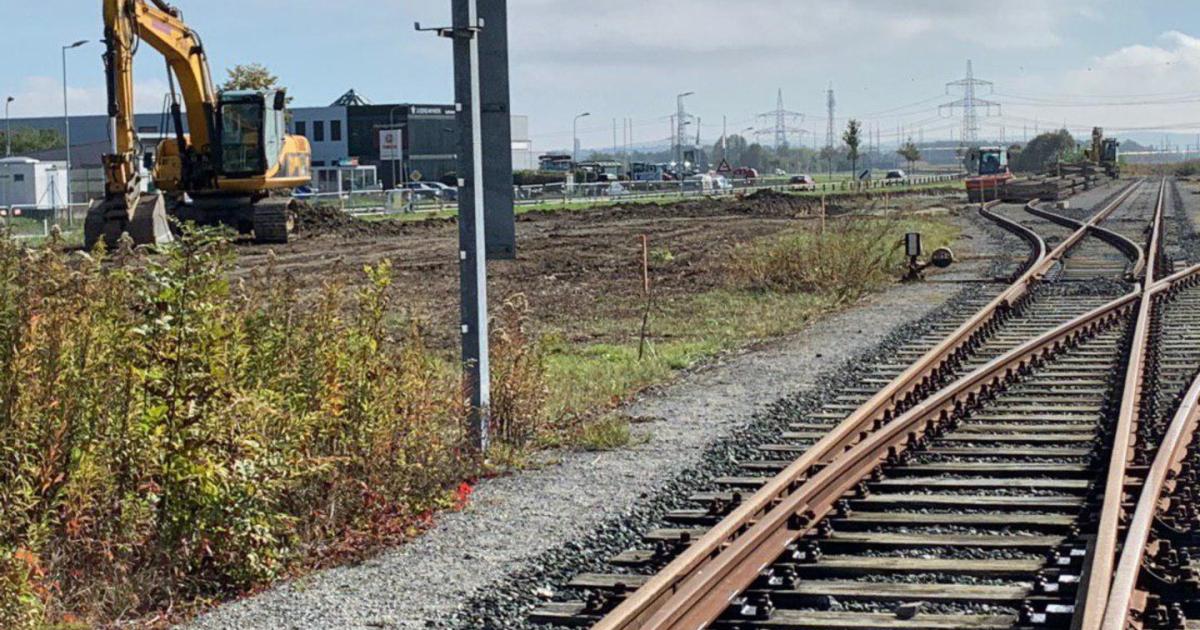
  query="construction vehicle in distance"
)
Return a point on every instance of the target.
[
  {"x": 991, "y": 174},
  {"x": 1105, "y": 153},
  {"x": 221, "y": 169}
]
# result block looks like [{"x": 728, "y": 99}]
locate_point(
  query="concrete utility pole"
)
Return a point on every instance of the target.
[
  {"x": 970, "y": 104},
  {"x": 486, "y": 226},
  {"x": 830, "y": 107}
]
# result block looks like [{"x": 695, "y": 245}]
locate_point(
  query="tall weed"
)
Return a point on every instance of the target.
[
  {"x": 850, "y": 258},
  {"x": 168, "y": 435}
]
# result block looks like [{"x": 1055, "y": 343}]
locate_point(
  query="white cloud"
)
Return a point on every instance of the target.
[
  {"x": 617, "y": 57},
  {"x": 1135, "y": 83},
  {"x": 43, "y": 96}
]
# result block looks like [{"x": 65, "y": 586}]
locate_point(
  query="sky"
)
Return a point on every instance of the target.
[{"x": 1132, "y": 67}]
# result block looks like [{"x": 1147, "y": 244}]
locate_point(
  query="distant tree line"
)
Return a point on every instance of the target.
[{"x": 26, "y": 141}]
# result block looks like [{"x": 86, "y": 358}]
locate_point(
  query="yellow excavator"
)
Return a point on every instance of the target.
[{"x": 221, "y": 169}]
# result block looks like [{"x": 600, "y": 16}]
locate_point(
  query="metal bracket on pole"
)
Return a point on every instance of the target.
[{"x": 449, "y": 32}]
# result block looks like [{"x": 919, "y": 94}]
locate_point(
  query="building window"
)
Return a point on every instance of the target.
[
  {"x": 318, "y": 131},
  {"x": 318, "y": 163},
  {"x": 335, "y": 131},
  {"x": 18, "y": 177},
  {"x": 301, "y": 128}
]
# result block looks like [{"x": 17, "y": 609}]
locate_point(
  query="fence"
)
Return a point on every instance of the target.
[
  {"x": 29, "y": 223},
  {"x": 379, "y": 202}
]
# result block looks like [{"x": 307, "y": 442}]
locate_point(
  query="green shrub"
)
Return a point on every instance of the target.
[{"x": 167, "y": 435}]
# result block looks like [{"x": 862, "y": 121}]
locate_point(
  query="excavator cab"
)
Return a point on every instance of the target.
[
  {"x": 993, "y": 161},
  {"x": 251, "y": 129}
]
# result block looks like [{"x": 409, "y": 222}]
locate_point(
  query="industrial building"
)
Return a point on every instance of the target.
[{"x": 345, "y": 136}]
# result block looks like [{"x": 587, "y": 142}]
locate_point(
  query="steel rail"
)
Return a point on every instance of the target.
[
  {"x": 637, "y": 610},
  {"x": 1098, "y": 580},
  {"x": 703, "y": 598},
  {"x": 1123, "y": 597},
  {"x": 1120, "y": 241}
]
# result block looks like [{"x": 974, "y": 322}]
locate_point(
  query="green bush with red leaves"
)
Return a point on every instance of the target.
[{"x": 169, "y": 435}]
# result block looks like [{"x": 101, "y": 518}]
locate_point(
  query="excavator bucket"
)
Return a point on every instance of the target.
[{"x": 147, "y": 223}]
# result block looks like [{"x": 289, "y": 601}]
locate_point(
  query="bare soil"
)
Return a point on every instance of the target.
[{"x": 571, "y": 264}]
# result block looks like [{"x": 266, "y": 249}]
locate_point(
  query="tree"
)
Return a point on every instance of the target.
[
  {"x": 254, "y": 76},
  {"x": 853, "y": 138},
  {"x": 827, "y": 154},
  {"x": 26, "y": 141},
  {"x": 1043, "y": 151},
  {"x": 909, "y": 152}
]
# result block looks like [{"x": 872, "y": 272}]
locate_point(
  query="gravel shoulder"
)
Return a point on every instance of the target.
[{"x": 514, "y": 522}]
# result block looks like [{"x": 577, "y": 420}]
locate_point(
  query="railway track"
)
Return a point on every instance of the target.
[{"x": 979, "y": 478}]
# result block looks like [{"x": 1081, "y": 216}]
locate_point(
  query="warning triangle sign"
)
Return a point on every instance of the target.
[{"x": 724, "y": 167}]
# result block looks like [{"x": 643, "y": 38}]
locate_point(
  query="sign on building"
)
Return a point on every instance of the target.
[{"x": 391, "y": 145}]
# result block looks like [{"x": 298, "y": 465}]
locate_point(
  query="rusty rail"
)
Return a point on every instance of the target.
[
  {"x": 700, "y": 600},
  {"x": 666, "y": 588},
  {"x": 1097, "y": 582},
  {"x": 1124, "y": 598}
]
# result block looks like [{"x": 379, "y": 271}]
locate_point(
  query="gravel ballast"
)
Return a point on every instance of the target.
[{"x": 488, "y": 565}]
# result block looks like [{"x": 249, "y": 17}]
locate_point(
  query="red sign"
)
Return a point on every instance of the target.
[{"x": 724, "y": 167}]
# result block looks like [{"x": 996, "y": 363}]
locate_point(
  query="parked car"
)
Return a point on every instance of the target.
[
  {"x": 305, "y": 192},
  {"x": 894, "y": 177},
  {"x": 432, "y": 191},
  {"x": 722, "y": 184},
  {"x": 701, "y": 182},
  {"x": 449, "y": 193},
  {"x": 803, "y": 182},
  {"x": 745, "y": 172}
]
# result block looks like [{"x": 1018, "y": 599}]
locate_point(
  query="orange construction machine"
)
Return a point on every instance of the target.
[{"x": 991, "y": 174}]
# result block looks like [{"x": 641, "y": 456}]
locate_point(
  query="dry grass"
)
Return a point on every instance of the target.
[{"x": 848, "y": 259}]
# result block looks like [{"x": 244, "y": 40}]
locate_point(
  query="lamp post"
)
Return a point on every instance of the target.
[
  {"x": 681, "y": 120},
  {"x": 7, "y": 129},
  {"x": 67, "y": 121},
  {"x": 575, "y": 136},
  {"x": 395, "y": 162}
]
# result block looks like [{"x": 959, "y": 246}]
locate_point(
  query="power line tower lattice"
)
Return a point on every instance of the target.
[
  {"x": 970, "y": 104},
  {"x": 780, "y": 123}
]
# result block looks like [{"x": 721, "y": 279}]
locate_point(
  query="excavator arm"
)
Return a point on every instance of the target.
[
  {"x": 235, "y": 154},
  {"x": 127, "y": 25}
]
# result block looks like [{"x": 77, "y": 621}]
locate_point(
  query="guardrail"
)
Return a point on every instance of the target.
[
  {"x": 33, "y": 222},
  {"x": 402, "y": 201}
]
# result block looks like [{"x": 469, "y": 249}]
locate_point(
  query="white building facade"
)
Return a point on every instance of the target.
[{"x": 31, "y": 184}]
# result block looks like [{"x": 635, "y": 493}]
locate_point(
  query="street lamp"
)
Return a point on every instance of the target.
[
  {"x": 575, "y": 136},
  {"x": 7, "y": 129},
  {"x": 396, "y": 162},
  {"x": 67, "y": 121},
  {"x": 681, "y": 120}
]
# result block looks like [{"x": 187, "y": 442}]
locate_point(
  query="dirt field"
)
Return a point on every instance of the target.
[{"x": 572, "y": 265}]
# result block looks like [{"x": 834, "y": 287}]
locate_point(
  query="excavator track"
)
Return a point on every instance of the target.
[{"x": 273, "y": 220}]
